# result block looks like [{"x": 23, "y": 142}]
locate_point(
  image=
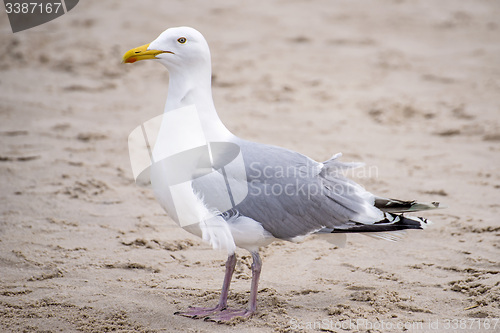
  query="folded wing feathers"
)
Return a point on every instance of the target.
[{"x": 391, "y": 223}]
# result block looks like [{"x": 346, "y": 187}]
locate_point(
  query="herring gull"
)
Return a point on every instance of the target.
[{"x": 235, "y": 193}]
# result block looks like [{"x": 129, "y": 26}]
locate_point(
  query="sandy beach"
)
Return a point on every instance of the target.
[{"x": 410, "y": 88}]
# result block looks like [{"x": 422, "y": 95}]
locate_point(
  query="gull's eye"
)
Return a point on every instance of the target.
[{"x": 182, "y": 40}]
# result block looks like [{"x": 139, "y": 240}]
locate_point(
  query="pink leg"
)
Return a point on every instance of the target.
[
  {"x": 198, "y": 312},
  {"x": 228, "y": 314},
  {"x": 221, "y": 313}
]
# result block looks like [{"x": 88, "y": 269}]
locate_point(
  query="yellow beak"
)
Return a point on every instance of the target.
[{"x": 141, "y": 53}]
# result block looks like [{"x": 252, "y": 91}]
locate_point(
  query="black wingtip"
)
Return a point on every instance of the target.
[{"x": 391, "y": 222}]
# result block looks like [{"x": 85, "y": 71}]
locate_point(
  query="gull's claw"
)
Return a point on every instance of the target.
[
  {"x": 227, "y": 315},
  {"x": 215, "y": 314}
]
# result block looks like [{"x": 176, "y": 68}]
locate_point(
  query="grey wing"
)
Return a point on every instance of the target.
[
  {"x": 292, "y": 195},
  {"x": 288, "y": 193}
]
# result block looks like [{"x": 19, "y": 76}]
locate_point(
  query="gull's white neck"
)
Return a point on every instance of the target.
[{"x": 194, "y": 87}]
